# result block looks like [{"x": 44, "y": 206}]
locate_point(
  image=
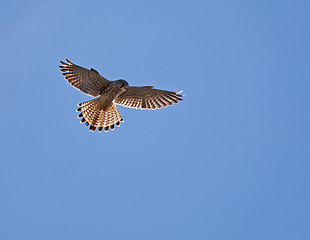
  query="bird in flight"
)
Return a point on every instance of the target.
[{"x": 102, "y": 112}]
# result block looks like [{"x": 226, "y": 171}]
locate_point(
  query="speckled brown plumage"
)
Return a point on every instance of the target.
[
  {"x": 147, "y": 98},
  {"x": 102, "y": 112}
]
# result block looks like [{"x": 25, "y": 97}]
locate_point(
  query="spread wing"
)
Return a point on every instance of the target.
[
  {"x": 147, "y": 98},
  {"x": 87, "y": 81}
]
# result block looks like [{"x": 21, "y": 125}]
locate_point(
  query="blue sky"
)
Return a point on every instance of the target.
[{"x": 231, "y": 161}]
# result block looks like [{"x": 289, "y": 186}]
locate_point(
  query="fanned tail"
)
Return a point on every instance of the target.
[
  {"x": 95, "y": 116},
  {"x": 110, "y": 117}
]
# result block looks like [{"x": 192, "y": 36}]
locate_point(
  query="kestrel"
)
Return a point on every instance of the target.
[{"x": 102, "y": 112}]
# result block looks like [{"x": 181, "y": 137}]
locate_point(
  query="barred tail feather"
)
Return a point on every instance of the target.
[
  {"x": 95, "y": 120},
  {"x": 92, "y": 115},
  {"x": 100, "y": 127},
  {"x": 111, "y": 117},
  {"x": 89, "y": 111},
  {"x": 108, "y": 120}
]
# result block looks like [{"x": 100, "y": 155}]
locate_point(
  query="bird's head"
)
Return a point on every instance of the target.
[{"x": 121, "y": 83}]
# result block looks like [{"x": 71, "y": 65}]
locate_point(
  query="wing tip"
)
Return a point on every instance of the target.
[
  {"x": 68, "y": 61},
  {"x": 181, "y": 95},
  {"x": 65, "y": 63}
]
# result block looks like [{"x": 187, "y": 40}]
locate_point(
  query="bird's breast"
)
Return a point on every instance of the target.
[
  {"x": 104, "y": 101},
  {"x": 106, "y": 98}
]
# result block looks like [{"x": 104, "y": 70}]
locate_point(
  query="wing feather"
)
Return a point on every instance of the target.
[
  {"x": 87, "y": 81},
  {"x": 147, "y": 98}
]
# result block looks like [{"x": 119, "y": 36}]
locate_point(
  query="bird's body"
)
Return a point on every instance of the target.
[
  {"x": 102, "y": 112},
  {"x": 108, "y": 95}
]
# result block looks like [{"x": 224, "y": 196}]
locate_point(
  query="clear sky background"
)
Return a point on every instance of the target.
[{"x": 231, "y": 161}]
